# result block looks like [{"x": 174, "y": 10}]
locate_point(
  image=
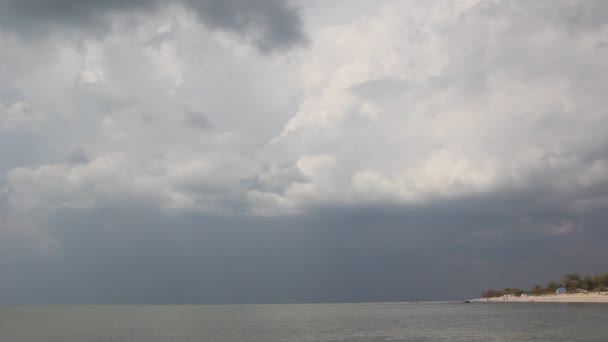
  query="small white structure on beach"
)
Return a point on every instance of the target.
[{"x": 560, "y": 290}]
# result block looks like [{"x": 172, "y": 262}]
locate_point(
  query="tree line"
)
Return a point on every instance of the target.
[{"x": 573, "y": 282}]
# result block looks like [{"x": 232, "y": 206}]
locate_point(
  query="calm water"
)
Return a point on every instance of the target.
[{"x": 314, "y": 322}]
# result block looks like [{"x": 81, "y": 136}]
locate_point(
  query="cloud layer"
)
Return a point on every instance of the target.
[
  {"x": 470, "y": 134},
  {"x": 269, "y": 24}
]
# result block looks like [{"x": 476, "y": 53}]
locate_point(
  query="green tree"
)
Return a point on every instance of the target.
[
  {"x": 602, "y": 281},
  {"x": 589, "y": 283},
  {"x": 537, "y": 290},
  {"x": 572, "y": 281},
  {"x": 515, "y": 291},
  {"x": 491, "y": 293},
  {"x": 551, "y": 286}
]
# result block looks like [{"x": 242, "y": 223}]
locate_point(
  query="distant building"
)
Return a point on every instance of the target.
[{"x": 560, "y": 290}]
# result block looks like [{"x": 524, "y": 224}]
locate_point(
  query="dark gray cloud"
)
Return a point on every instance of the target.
[
  {"x": 196, "y": 118},
  {"x": 578, "y": 15},
  {"x": 133, "y": 254},
  {"x": 78, "y": 156},
  {"x": 38, "y": 16},
  {"x": 268, "y": 24}
]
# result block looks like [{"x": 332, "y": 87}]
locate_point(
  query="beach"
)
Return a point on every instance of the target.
[{"x": 592, "y": 297}]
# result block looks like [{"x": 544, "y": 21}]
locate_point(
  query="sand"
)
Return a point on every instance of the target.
[{"x": 592, "y": 297}]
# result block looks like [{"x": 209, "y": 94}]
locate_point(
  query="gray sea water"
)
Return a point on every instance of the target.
[{"x": 306, "y": 322}]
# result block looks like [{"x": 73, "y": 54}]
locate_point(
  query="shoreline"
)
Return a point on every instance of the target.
[{"x": 591, "y": 297}]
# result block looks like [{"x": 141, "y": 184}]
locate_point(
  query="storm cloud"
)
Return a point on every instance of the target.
[
  {"x": 269, "y": 24},
  {"x": 405, "y": 150}
]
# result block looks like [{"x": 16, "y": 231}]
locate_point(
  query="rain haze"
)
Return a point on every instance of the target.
[{"x": 279, "y": 151}]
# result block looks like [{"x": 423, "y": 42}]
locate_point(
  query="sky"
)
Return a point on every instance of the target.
[{"x": 274, "y": 151}]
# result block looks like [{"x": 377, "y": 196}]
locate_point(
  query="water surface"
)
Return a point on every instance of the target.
[{"x": 306, "y": 322}]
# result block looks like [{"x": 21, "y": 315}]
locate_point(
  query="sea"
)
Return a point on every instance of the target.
[{"x": 433, "y": 321}]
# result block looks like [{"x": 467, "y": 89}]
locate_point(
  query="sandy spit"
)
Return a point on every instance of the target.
[{"x": 592, "y": 297}]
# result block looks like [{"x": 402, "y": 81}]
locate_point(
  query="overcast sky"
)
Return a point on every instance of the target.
[{"x": 237, "y": 151}]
